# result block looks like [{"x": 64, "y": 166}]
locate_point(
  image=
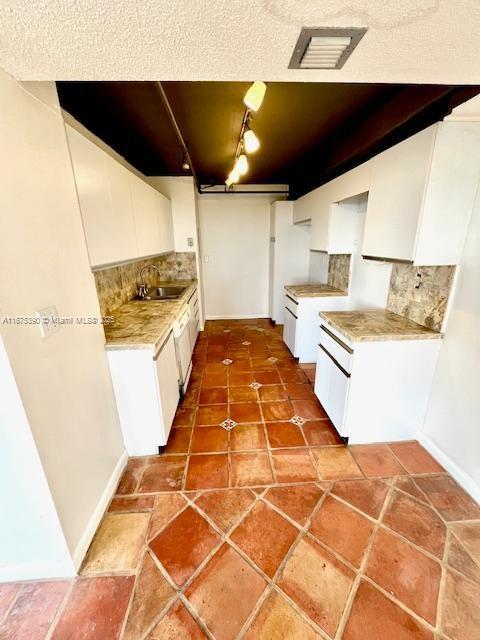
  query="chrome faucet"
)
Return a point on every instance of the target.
[{"x": 142, "y": 287}]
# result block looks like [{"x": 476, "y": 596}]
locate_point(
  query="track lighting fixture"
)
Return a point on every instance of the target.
[
  {"x": 254, "y": 97},
  {"x": 248, "y": 141}
]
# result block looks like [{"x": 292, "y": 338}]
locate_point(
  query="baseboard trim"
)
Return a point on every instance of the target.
[
  {"x": 254, "y": 317},
  {"x": 87, "y": 536},
  {"x": 464, "y": 480}
]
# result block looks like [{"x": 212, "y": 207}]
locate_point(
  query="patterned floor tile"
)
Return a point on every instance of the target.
[
  {"x": 373, "y": 615},
  {"x": 320, "y": 433},
  {"x": 166, "y": 506},
  {"x": 117, "y": 544},
  {"x": 207, "y": 471},
  {"x": 448, "y": 498},
  {"x": 242, "y": 394},
  {"x": 318, "y": 583},
  {"x": 129, "y": 504},
  {"x": 278, "y": 620},
  {"x": 297, "y": 502},
  {"x": 277, "y": 411},
  {"x": 367, "y": 495},
  {"x": 342, "y": 529},
  {"x": 462, "y": 561},
  {"x": 406, "y": 573},
  {"x": 95, "y": 609},
  {"x": 284, "y": 434},
  {"x": 165, "y": 473},
  {"x": 183, "y": 545},
  {"x": 177, "y": 624},
  {"x": 225, "y": 593},
  {"x": 211, "y": 415},
  {"x": 247, "y": 437},
  {"x": 406, "y": 484},
  {"x": 225, "y": 508},
  {"x": 209, "y": 440},
  {"x": 417, "y": 522},
  {"x": 272, "y": 393},
  {"x": 469, "y": 536},
  {"x": 336, "y": 463},
  {"x": 461, "y": 615},
  {"x": 184, "y": 417},
  {"x": 265, "y": 537},
  {"x": 33, "y": 611},
  {"x": 213, "y": 395},
  {"x": 179, "y": 440},
  {"x": 152, "y": 593},
  {"x": 245, "y": 412},
  {"x": 376, "y": 460},
  {"x": 293, "y": 465},
  {"x": 250, "y": 469},
  {"x": 309, "y": 409},
  {"x": 414, "y": 458}
]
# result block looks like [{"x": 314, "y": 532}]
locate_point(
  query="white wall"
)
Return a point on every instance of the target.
[
  {"x": 64, "y": 381},
  {"x": 32, "y": 543},
  {"x": 452, "y": 423},
  {"x": 234, "y": 235}
]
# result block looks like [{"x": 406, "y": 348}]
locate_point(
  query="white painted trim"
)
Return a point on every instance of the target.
[
  {"x": 87, "y": 536},
  {"x": 254, "y": 317},
  {"x": 464, "y": 480},
  {"x": 37, "y": 571}
]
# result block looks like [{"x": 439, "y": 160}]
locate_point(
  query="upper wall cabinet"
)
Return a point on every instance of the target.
[
  {"x": 123, "y": 217},
  {"x": 334, "y": 228},
  {"x": 153, "y": 218},
  {"x": 421, "y": 195}
]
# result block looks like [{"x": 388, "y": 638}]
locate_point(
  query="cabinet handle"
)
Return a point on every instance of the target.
[
  {"x": 337, "y": 340},
  {"x": 193, "y": 293},
  {"x": 345, "y": 373},
  {"x": 294, "y": 301},
  {"x": 296, "y": 318}
]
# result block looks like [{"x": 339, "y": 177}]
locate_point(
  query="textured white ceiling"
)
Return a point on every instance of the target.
[{"x": 424, "y": 41}]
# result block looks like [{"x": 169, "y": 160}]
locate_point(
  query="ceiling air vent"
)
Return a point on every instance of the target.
[{"x": 324, "y": 48}]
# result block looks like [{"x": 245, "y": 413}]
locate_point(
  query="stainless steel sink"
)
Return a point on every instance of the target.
[{"x": 164, "y": 293}]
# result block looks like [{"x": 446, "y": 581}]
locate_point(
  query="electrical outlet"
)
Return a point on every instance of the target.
[
  {"x": 47, "y": 317},
  {"x": 205, "y": 259},
  {"x": 190, "y": 242}
]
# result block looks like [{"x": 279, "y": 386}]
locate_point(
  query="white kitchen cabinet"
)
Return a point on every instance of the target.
[
  {"x": 421, "y": 195},
  {"x": 123, "y": 217},
  {"x": 105, "y": 204},
  {"x": 334, "y": 227},
  {"x": 302, "y": 323},
  {"x": 374, "y": 391},
  {"x": 146, "y": 389}
]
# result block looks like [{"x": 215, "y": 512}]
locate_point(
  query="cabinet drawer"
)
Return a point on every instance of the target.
[
  {"x": 291, "y": 305},
  {"x": 339, "y": 351}
]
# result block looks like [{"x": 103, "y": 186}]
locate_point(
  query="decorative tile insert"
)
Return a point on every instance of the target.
[
  {"x": 227, "y": 361},
  {"x": 228, "y": 424},
  {"x": 117, "y": 285},
  {"x": 246, "y": 343},
  {"x": 425, "y": 304},
  {"x": 298, "y": 420},
  {"x": 339, "y": 271},
  {"x": 255, "y": 385}
]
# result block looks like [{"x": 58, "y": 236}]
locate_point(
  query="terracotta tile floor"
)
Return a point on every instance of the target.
[{"x": 272, "y": 529}]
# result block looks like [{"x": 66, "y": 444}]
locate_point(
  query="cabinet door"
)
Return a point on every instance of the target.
[
  {"x": 289, "y": 330},
  {"x": 337, "y": 397},
  {"x": 399, "y": 177},
  {"x": 322, "y": 378},
  {"x": 164, "y": 208},
  {"x": 146, "y": 215},
  {"x": 167, "y": 381},
  {"x": 89, "y": 166},
  {"x": 123, "y": 224}
]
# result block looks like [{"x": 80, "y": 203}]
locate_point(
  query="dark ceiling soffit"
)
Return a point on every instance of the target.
[
  {"x": 402, "y": 116},
  {"x": 202, "y": 189}
]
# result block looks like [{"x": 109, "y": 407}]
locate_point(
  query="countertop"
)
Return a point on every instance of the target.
[
  {"x": 313, "y": 291},
  {"x": 376, "y": 325},
  {"x": 144, "y": 325}
]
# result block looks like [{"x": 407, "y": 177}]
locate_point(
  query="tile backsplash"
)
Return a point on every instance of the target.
[
  {"x": 427, "y": 304},
  {"x": 339, "y": 271},
  {"x": 117, "y": 285}
]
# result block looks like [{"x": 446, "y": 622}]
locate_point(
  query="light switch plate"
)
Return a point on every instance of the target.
[
  {"x": 47, "y": 324},
  {"x": 205, "y": 258}
]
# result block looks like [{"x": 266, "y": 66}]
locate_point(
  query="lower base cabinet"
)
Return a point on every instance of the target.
[
  {"x": 374, "y": 391},
  {"x": 146, "y": 389}
]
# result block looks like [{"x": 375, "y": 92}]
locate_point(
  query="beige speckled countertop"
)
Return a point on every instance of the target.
[
  {"x": 313, "y": 290},
  {"x": 145, "y": 324},
  {"x": 376, "y": 325}
]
